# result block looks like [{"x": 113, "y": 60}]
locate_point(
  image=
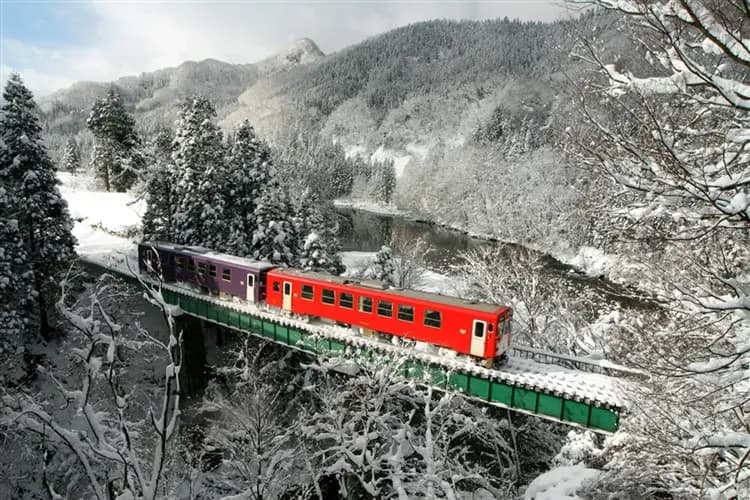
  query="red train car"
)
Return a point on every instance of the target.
[{"x": 480, "y": 330}]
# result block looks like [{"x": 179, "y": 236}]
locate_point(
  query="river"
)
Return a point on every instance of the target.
[{"x": 367, "y": 232}]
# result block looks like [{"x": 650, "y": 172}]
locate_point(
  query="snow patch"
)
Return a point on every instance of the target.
[
  {"x": 593, "y": 262},
  {"x": 418, "y": 150},
  {"x": 369, "y": 206},
  {"x": 560, "y": 483},
  {"x": 399, "y": 162},
  {"x": 354, "y": 151}
]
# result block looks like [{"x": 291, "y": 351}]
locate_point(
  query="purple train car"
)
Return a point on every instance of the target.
[{"x": 210, "y": 271}]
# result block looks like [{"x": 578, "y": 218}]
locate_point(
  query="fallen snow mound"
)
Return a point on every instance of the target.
[{"x": 560, "y": 483}]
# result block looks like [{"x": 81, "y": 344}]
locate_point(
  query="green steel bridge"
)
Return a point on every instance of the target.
[{"x": 559, "y": 388}]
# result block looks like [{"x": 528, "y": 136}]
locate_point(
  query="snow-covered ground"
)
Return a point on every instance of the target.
[
  {"x": 369, "y": 206},
  {"x": 560, "y": 483},
  {"x": 100, "y": 216}
]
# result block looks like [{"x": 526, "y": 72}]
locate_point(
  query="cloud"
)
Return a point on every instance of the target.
[{"x": 125, "y": 38}]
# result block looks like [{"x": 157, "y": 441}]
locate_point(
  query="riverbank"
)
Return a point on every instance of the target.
[{"x": 587, "y": 261}]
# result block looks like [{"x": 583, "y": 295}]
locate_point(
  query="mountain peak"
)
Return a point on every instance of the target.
[{"x": 302, "y": 51}]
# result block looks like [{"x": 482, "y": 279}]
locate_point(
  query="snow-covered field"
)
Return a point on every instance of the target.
[{"x": 100, "y": 216}]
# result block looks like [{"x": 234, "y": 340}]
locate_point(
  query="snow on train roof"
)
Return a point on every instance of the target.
[
  {"x": 208, "y": 253},
  {"x": 377, "y": 285}
]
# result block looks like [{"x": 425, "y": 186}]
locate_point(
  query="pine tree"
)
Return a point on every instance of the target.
[
  {"x": 72, "y": 157},
  {"x": 383, "y": 268},
  {"x": 274, "y": 238},
  {"x": 317, "y": 233},
  {"x": 383, "y": 181},
  {"x": 42, "y": 215},
  {"x": 200, "y": 178},
  {"x": 115, "y": 158},
  {"x": 157, "y": 221},
  {"x": 250, "y": 173},
  {"x": 15, "y": 290}
]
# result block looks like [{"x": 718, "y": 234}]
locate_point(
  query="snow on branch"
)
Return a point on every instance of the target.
[{"x": 117, "y": 454}]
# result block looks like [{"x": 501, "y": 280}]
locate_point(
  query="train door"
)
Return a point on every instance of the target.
[
  {"x": 478, "y": 338},
  {"x": 287, "y": 303},
  {"x": 250, "y": 287}
]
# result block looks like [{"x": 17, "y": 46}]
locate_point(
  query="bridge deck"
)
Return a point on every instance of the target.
[{"x": 556, "y": 393}]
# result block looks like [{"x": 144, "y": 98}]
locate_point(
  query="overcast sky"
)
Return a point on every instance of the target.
[{"x": 55, "y": 43}]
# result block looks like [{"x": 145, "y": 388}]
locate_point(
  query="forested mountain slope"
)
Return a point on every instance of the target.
[
  {"x": 468, "y": 110},
  {"x": 474, "y": 114},
  {"x": 155, "y": 98}
]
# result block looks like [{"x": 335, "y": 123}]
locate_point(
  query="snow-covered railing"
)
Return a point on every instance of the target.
[{"x": 602, "y": 367}]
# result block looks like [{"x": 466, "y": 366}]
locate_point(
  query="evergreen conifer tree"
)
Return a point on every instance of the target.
[
  {"x": 115, "y": 158},
  {"x": 42, "y": 216},
  {"x": 157, "y": 221},
  {"x": 274, "y": 238},
  {"x": 317, "y": 234},
  {"x": 383, "y": 268},
  {"x": 15, "y": 288},
  {"x": 200, "y": 178},
  {"x": 72, "y": 157},
  {"x": 383, "y": 181},
  {"x": 250, "y": 173}
]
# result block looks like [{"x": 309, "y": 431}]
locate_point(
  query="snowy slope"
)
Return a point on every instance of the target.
[{"x": 100, "y": 218}]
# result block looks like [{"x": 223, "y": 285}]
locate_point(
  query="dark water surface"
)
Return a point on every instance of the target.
[{"x": 367, "y": 232}]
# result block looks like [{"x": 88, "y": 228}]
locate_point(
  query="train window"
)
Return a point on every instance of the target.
[
  {"x": 172, "y": 261},
  {"x": 432, "y": 318},
  {"x": 181, "y": 262},
  {"x": 276, "y": 286},
  {"x": 202, "y": 267},
  {"x": 329, "y": 296},
  {"x": 405, "y": 313},
  {"x": 212, "y": 270},
  {"x": 478, "y": 329},
  {"x": 307, "y": 292},
  {"x": 385, "y": 308},
  {"x": 226, "y": 274},
  {"x": 365, "y": 304},
  {"x": 191, "y": 265},
  {"x": 346, "y": 300},
  {"x": 489, "y": 327}
]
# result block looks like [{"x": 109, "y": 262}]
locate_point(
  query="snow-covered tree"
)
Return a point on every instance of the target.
[
  {"x": 157, "y": 220},
  {"x": 408, "y": 261},
  {"x": 274, "y": 238},
  {"x": 546, "y": 314},
  {"x": 673, "y": 139},
  {"x": 378, "y": 436},
  {"x": 308, "y": 162},
  {"x": 383, "y": 268},
  {"x": 317, "y": 256},
  {"x": 118, "y": 447},
  {"x": 317, "y": 230},
  {"x": 255, "y": 423},
  {"x": 41, "y": 213},
  {"x": 71, "y": 161},
  {"x": 250, "y": 172},
  {"x": 382, "y": 183},
  {"x": 115, "y": 159},
  {"x": 199, "y": 177},
  {"x": 400, "y": 264},
  {"x": 15, "y": 279}
]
